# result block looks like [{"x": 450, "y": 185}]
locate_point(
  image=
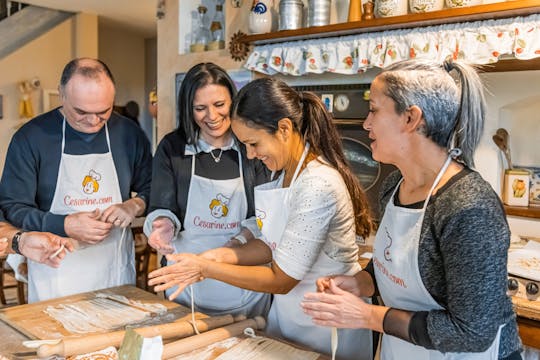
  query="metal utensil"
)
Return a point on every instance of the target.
[{"x": 501, "y": 140}]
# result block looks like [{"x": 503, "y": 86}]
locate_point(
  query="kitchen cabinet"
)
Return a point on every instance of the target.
[
  {"x": 447, "y": 16},
  {"x": 529, "y": 331}
]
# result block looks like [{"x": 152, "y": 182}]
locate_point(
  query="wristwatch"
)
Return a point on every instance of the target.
[{"x": 15, "y": 242}]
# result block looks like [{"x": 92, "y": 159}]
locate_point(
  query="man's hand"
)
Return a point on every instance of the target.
[
  {"x": 44, "y": 247},
  {"x": 122, "y": 215},
  {"x": 87, "y": 227},
  {"x": 161, "y": 236},
  {"x": 3, "y": 246}
]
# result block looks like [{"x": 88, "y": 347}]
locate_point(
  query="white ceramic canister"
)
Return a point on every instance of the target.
[
  {"x": 386, "y": 8},
  {"x": 462, "y": 3},
  {"x": 318, "y": 12},
  {"x": 422, "y": 6},
  {"x": 260, "y": 17},
  {"x": 291, "y": 14}
]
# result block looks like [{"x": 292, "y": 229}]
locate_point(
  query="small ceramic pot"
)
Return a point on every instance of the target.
[
  {"x": 260, "y": 17},
  {"x": 462, "y": 3},
  {"x": 386, "y": 8},
  {"x": 422, "y": 6}
]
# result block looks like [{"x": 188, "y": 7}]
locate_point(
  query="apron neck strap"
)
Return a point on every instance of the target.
[
  {"x": 453, "y": 153},
  {"x": 64, "y": 135},
  {"x": 299, "y": 166}
]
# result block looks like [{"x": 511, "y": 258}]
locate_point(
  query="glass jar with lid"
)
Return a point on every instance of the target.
[
  {"x": 202, "y": 34},
  {"x": 217, "y": 28}
]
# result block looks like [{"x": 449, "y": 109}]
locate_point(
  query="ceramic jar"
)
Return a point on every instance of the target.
[
  {"x": 386, "y": 8},
  {"x": 260, "y": 17},
  {"x": 422, "y": 6},
  {"x": 462, "y": 3}
]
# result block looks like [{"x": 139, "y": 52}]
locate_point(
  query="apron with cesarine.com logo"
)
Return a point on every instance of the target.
[
  {"x": 85, "y": 183},
  {"x": 286, "y": 318}
]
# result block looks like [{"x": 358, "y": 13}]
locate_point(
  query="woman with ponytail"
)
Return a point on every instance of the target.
[
  {"x": 440, "y": 253},
  {"x": 309, "y": 216}
]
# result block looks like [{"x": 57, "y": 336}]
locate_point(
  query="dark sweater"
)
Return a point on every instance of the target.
[
  {"x": 172, "y": 174},
  {"x": 462, "y": 258},
  {"x": 33, "y": 158}
]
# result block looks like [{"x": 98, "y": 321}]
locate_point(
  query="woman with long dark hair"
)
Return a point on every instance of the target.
[
  {"x": 309, "y": 216},
  {"x": 202, "y": 189}
]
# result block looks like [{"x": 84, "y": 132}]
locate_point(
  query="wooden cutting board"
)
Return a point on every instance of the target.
[{"x": 32, "y": 321}]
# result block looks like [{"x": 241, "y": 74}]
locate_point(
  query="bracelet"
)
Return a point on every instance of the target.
[{"x": 241, "y": 238}]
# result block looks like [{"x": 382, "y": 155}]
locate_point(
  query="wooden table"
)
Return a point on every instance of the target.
[
  {"x": 29, "y": 322},
  {"x": 26, "y": 322},
  {"x": 11, "y": 340}
]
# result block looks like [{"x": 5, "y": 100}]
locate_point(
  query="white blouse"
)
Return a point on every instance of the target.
[{"x": 321, "y": 218}]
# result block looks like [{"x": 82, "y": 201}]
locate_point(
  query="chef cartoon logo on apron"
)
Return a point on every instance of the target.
[
  {"x": 219, "y": 206},
  {"x": 260, "y": 215},
  {"x": 387, "y": 256},
  {"x": 90, "y": 182}
]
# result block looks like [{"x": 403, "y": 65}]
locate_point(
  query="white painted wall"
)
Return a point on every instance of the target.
[
  {"x": 44, "y": 58},
  {"x": 513, "y": 102},
  {"x": 123, "y": 52}
]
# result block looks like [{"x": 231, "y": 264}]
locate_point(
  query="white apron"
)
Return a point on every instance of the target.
[
  {"x": 286, "y": 319},
  {"x": 84, "y": 183},
  {"x": 395, "y": 260},
  {"x": 214, "y": 211}
]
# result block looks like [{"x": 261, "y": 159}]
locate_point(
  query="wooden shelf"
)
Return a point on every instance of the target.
[
  {"x": 446, "y": 16},
  {"x": 530, "y": 212}
]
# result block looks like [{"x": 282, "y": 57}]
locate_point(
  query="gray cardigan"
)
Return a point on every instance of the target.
[{"x": 462, "y": 258}]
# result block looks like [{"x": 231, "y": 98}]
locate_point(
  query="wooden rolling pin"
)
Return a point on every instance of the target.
[
  {"x": 85, "y": 344},
  {"x": 197, "y": 341}
]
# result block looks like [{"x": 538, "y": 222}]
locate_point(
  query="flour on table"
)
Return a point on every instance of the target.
[
  {"x": 261, "y": 348},
  {"x": 109, "y": 353},
  {"x": 211, "y": 351},
  {"x": 105, "y": 312}
]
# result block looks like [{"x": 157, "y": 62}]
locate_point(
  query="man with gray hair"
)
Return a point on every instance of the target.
[{"x": 72, "y": 172}]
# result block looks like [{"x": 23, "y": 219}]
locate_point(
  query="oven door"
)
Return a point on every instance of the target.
[{"x": 356, "y": 147}]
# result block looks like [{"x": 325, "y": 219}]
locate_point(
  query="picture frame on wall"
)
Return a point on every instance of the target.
[{"x": 51, "y": 99}]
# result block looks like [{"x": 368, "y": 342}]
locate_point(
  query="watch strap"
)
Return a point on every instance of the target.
[{"x": 15, "y": 242}]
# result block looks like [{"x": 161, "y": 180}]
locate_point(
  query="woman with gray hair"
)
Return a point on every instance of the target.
[{"x": 439, "y": 258}]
